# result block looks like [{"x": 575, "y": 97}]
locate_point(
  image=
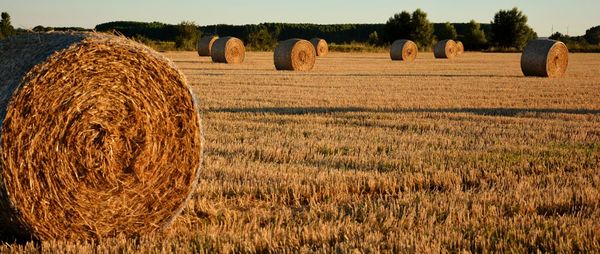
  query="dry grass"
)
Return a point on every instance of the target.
[{"x": 372, "y": 155}]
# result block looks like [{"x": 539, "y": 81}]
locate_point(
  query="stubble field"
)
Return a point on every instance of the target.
[{"x": 365, "y": 154}]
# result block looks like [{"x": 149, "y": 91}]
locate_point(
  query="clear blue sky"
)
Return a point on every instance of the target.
[{"x": 577, "y": 15}]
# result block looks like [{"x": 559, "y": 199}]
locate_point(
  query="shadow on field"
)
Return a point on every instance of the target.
[
  {"x": 229, "y": 71},
  {"x": 190, "y": 61},
  {"x": 325, "y": 75},
  {"x": 11, "y": 240},
  {"x": 333, "y": 110},
  {"x": 433, "y": 75}
]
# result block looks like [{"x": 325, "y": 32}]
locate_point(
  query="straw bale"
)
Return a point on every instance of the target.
[
  {"x": 460, "y": 48},
  {"x": 205, "y": 44},
  {"x": 403, "y": 50},
  {"x": 545, "y": 58},
  {"x": 321, "y": 47},
  {"x": 295, "y": 54},
  {"x": 100, "y": 136},
  {"x": 445, "y": 49},
  {"x": 229, "y": 50}
]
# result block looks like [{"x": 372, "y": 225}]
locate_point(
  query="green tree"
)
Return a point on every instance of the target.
[
  {"x": 592, "y": 35},
  {"x": 559, "y": 37},
  {"x": 373, "y": 38},
  {"x": 262, "y": 39},
  {"x": 510, "y": 29},
  {"x": 6, "y": 29},
  {"x": 421, "y": 29},
  {"x": 447, "y": 32},
  {"x": 473, "y": 37},
  {"x": 398, "y": 27},
  {"x": 187, "y": 36}
]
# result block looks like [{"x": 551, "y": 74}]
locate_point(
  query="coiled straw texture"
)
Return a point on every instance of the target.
[
  {"x": 229, "y": 50},
  {"x": 100, "y": 136},
  {"x": 321, "y": 47},
  {"x": 460, "y": 48},
  {"x": 445, "y": 49},
  {"x": 545, "y": 58},
  {"x": 403, "y": 50},
  {"x": 295, "y": 54}
]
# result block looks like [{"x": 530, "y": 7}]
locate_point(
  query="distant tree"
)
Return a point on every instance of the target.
[
  {"x": 421, "y": 29},
  {"x": 447, "y": 32},
  {"x": 510, "y": 29},
  {"x": 39, "y": 29},
  {"x": 398, "y": 27},
  {"x": 42, "y": 29},
  {"x": 592, "y": 35},
  {"x": 6, "y": 29},
  {"x": 473, "y": 37},
  {"x": 373, "y": 38},
  {"x": 262, "y": 39},
  {"x": 187, "y": 35},
  {"x": 559, "y": 37}
]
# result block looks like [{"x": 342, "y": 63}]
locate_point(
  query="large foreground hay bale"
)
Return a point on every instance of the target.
[
  {"x": 321, "y": 47},
  {"x": 445, "y": 49},
  {"x": 99, "y": 135},
  {"x": 295, "y": 55},
  {"x": 460, "y": 48},
  {"x": 228, "y": 50},
  {"x": 205, "y": 44},
  {"x": 403, "y": 50},
  {"x": 545, "y": 58}
]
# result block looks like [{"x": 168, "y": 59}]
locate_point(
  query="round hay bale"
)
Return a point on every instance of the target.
[
  {"x": 229, "y": 50},
  {"x": 460, "y": 48},
  {"x": 545, "y": 58},
  {"x": 295, "y": 55},
  {"x": 445, "y": 49},
  {"x": 321, "y": 46},
  {"x": 100, "y": 136},
  {"x": 205, "y": 44},
  {"x": 404, "y": 50}
]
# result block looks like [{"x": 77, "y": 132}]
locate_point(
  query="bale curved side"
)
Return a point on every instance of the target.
[
  {"x": 100, "y": 136},
  {"x": 545, "y": 58},
  {"x": 403, "y": 50},
  {"x": 295, "y": 55},
  {"x": 445, "y": 49},
  {"x": 229, "y": 50},
  {"x": 205, "y": 44},
  {"x": 321, "y": 47}
]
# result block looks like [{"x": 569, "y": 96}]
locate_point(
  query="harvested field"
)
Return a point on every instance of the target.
[{"x": 368, "y": 154}]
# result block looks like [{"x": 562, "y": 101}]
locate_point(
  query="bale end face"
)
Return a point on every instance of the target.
[
  {"x": 294, "y": 55},
  {"x": 321, "y": 47},
  {"x": 403, "y": 50},
  {"x": 445, "y": 49},
  {"x": 229, "y": 50},
  {"x": 545, "y": 58},
  {"x": 116, "y": 134},
  {"x": 460, "y": 48}
]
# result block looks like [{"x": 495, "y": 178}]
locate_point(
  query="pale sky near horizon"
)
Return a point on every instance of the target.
[{"x": 544, "y": 15}]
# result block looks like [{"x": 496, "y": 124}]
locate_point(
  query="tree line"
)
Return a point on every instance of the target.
[{"x": 507, "y": 31}]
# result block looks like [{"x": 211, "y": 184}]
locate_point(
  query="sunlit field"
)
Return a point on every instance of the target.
[{"x": 369, "y": 155}]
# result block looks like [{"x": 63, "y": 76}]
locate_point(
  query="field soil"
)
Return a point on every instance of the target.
[{"x": 365, "y": 154}]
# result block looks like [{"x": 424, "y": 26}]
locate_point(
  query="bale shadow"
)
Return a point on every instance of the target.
[
  {"x": 227, "y": 69},
  {"x": 190, "y": 61},
  {"x": 508, "y": 112},
  {"x": 18, "y": 240},
  {"x": 322, "y": 74}
]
